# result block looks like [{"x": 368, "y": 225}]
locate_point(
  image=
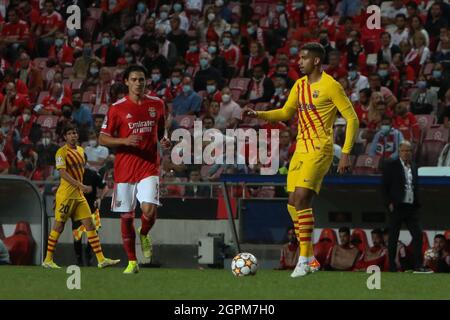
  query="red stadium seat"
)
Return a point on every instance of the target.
[
  {"x": 185, "y": 121},
  {"x": 48, "y": 121},
  {"x": 76, "y": 84},
  {"x": 321, "y": 250},
  {"x": 434, "y": 141},
  {"x": 425, "y": 245},
  {"x": 240, "y": 83},
  {"x": 367, "y": 165},
  {"x": 329, "y": 234},
  {"x": 447, "y": 234},
  {"x": 359, "y": 239},
  {"x": 21, "y": 244}
]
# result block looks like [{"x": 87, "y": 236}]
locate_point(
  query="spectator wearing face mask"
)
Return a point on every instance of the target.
[
  {"x": 423, "y": 100},
  {"x": 386, "y": 142},
  {"x": 192, "y": 54},
  {"x": 24, "y": 123},
  {"x": 231, "y": 53},
  {"x": 92, "y": 77},
  {"x": 163, "y": 22},
  {"x": 81, "y": 114},
  {"x": 211, "y": 27},
  {"x": 157, "y": 85},
  {"x": 188, "y": 102},
  {"x": 406, "y": 122},
  {"x": 253, "y": 33},
  {"x": 61, "y": 51},
  {"x": 207, "y": 71},
  {"x": 229, "y": 109},
  {"x": 173, "y": 86},
  {"x": 281, "y": 93},
  {"x": 277, "y": 26},
  {"x": 108, "y": 53},
  {"x": 217, "y": 60},
  {"x": 389, "y": 76},
  {"x": 153, "y": 58},
  {"x": 65, "y": 119},
  {"x": 357, "y": 80},
  {"x": 440, "y": 79},
  {"x": 82, "y": 63},
  {"x": 212, "y": 92},
  {"x": 96, "y": 154}
]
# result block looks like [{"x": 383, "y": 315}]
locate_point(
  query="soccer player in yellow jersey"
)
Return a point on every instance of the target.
[
  {"x": 316, "y": 97},
  {"x": 70, "y": 200}
]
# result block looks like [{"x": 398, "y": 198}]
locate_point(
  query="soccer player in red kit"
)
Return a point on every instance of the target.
[{"x": 134, "y": 125}]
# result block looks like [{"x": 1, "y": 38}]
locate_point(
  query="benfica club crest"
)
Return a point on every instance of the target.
[
  {"x": 315, "y": 94},
  {"x": 152, "y": 112}
]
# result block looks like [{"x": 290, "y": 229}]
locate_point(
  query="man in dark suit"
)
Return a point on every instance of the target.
[
  {"x": 387, "y": 50},
  {"x": 400, "y": 191}
]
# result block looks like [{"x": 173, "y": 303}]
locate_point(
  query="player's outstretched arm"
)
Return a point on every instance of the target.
[{"x": 112, "y": 142}]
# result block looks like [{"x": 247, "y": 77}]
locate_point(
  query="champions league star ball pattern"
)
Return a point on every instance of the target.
[{"x": 244, "y": 264}]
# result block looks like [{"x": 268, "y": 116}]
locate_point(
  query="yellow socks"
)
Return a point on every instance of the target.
[
  {"x": 94, "y": 241},
  {"x": 305, "y": 230},
  {"x": 293, "y": 214},
  {"x": 52, "y": 240}
]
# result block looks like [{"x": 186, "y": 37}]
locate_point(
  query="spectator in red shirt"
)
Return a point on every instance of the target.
[
  {"x": 406, "y": 122},
  {"x": 362, "y": 107},
  {"x": 334, "y": 69},
  {"x": 24, "y": 123},
  {"x": 61, "y": 51},
  {"x": 192, "y": 54},
  {"x": 13, "y": 103},
  {"x": 231, "y": 53},
  {"x": 52, "y": 104},
  {"x": 10, "y": 76},
  {"x": 257, "y": 57},
  {"x": 29, "y": 14},
  {"x": 15, "y": 33},
  {"x": 406, "y": 73},
  {"x": 50, "y": 22},
  {"x": 281, "y": 93},
  {"x": 30, "y": 75}
]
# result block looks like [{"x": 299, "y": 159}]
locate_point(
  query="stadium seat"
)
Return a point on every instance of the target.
[
  {"x": 21, "y": 245},
  {"x": 321, "y": 249},
  {"x": 47, "y": 121},
  {"x": 100, "y": 109},
  {"x": 434, "y": 141},
  {"x": 428, "y": 69},
  {"x": 185, "y": 121},
  {"x": 329, "y": 234},
  {"x": 68, "y": 72},
  {"x": 425, "y": 121},
  {"x": 359, "y": 239},
  {"x": 76, "y": 84},
  {"x": 425, "y": 245},
  {"x": 367, "y": 165},
  {"x": 240, "y": 83}
]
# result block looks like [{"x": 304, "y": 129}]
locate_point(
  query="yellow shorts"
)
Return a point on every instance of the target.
[
  {"x": 306, "y": 170},
  {"x": 77, "y": 209}
]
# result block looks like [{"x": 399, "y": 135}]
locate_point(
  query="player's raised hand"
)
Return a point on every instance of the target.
[
  {"x": 133, "y": 140},
  {"x": 248, "y": 112},
  {"x": 344, "y": 165}
]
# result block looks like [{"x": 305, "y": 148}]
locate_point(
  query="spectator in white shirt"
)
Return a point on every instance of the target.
[
  {"x": 229, "y": 109},
  {"x": 96, "y": 154},
  {"x": 401, "y": 32}
]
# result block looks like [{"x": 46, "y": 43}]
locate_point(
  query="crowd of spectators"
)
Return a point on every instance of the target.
[{"x": 209, "y": 59}]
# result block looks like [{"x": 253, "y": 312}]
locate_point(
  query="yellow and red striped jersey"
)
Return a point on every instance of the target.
[
  {"x": 316, "y": 105},
  {"x": 72, "y": 160}
]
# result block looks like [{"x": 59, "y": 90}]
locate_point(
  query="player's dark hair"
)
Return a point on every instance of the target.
[
  {"x": 134, "y": 68},
  {"x": 69, "y": 127},
  {"x": 344, "y": 229},
  {"x": 316, "y": 49}
]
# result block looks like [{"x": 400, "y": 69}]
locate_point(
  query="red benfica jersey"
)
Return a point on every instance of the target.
[
  {"x": 19, "y": 29},
  {"x": 125, "y": 118},
  {"x": 48, "y": 22}
]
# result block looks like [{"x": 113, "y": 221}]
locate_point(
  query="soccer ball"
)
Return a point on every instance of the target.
[{"x": 244, "y": 264}]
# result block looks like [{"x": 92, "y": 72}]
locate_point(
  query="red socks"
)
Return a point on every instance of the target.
[
  {"x": 128, "y": 235},
  {"x": 147, "y": 224}
]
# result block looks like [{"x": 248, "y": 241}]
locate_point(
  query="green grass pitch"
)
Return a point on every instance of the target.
[{"x": 192, "y": 284}]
